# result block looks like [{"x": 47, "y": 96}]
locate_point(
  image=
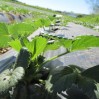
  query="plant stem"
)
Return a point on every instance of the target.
[{"x": 54, "y": 58}]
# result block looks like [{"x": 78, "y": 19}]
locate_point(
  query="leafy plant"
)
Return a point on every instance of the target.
[
  {"x": 67, "y": 78},
  {"x": 8, "y": 33},
  {"x": 19, "y": 30}
]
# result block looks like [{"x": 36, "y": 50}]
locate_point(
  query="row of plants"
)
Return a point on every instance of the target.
[
  {"x": 13, "y": 31},
  {"x": 29, "y": 78},
  {"x": 9, "y": 8},
  {"x": 89, "y": 21},
  {"x": 36, "y": 7},
  {"x": 19, "y": 11}
]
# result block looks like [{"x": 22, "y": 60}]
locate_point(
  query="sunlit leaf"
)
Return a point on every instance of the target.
[
  {"x": 16, "y": 44},
  {"x": 39, "y": 46},
  {"x": 20, "y": 29},
  {"x": 84, "y": 42},
  {"x": 3, "y": 29},
  {"x": 66, "y": 43},
  {"x": 53, "y": 46},
  {"x": 4, "y": 35},
  {"x": 29, "y": 45}
]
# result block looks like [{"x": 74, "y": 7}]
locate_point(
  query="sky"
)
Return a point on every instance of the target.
[{"x": 76, "y": 6}]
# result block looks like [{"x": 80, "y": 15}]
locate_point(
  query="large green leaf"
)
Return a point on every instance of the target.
[
  {"x": 36, "y": 46},
  {"x": 20, "y": 29},
  {"x": 80, "y": 43},
  {"x": 92, "y": 73},
  {"x": 84, "y": 42}
]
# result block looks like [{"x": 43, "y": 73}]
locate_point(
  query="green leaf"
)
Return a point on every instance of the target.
[
  {"x": 65, "y": 81},
  {"x": 92, "y": 73},
  {"x": 4, "y": 40},
  {"x": 3, "y": 29},
  {"x": 39, "y": 46},
  {"x": 67, "y": 43},
  {"x": 45, "y": 22},
  {"x": 16, "y": 44},
  {"x": 38, "y": 23},
  {"x": 85, "y": 42},
  {"x": 4, "y": 35},
  {"x": 20, "y": 29},
  {"x": 29, "y": 45},
  {"x": 52, "y": 46},
  {"x": 61, "y": 79},
  {"x": 80, "y": 43},
  {"x": 87, "y": 86}
]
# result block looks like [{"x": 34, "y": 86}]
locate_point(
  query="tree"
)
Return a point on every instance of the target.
[{"x": 94, "y": 5}]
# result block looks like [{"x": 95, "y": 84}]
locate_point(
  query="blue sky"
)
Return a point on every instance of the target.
[{"x": 77, "y": 6}]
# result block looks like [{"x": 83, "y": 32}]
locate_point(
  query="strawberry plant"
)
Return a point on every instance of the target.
[
  {"x": 75, "y": 81},
  {"x": 30, "y": 72},
  {"x": 19, "y": 30}
]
